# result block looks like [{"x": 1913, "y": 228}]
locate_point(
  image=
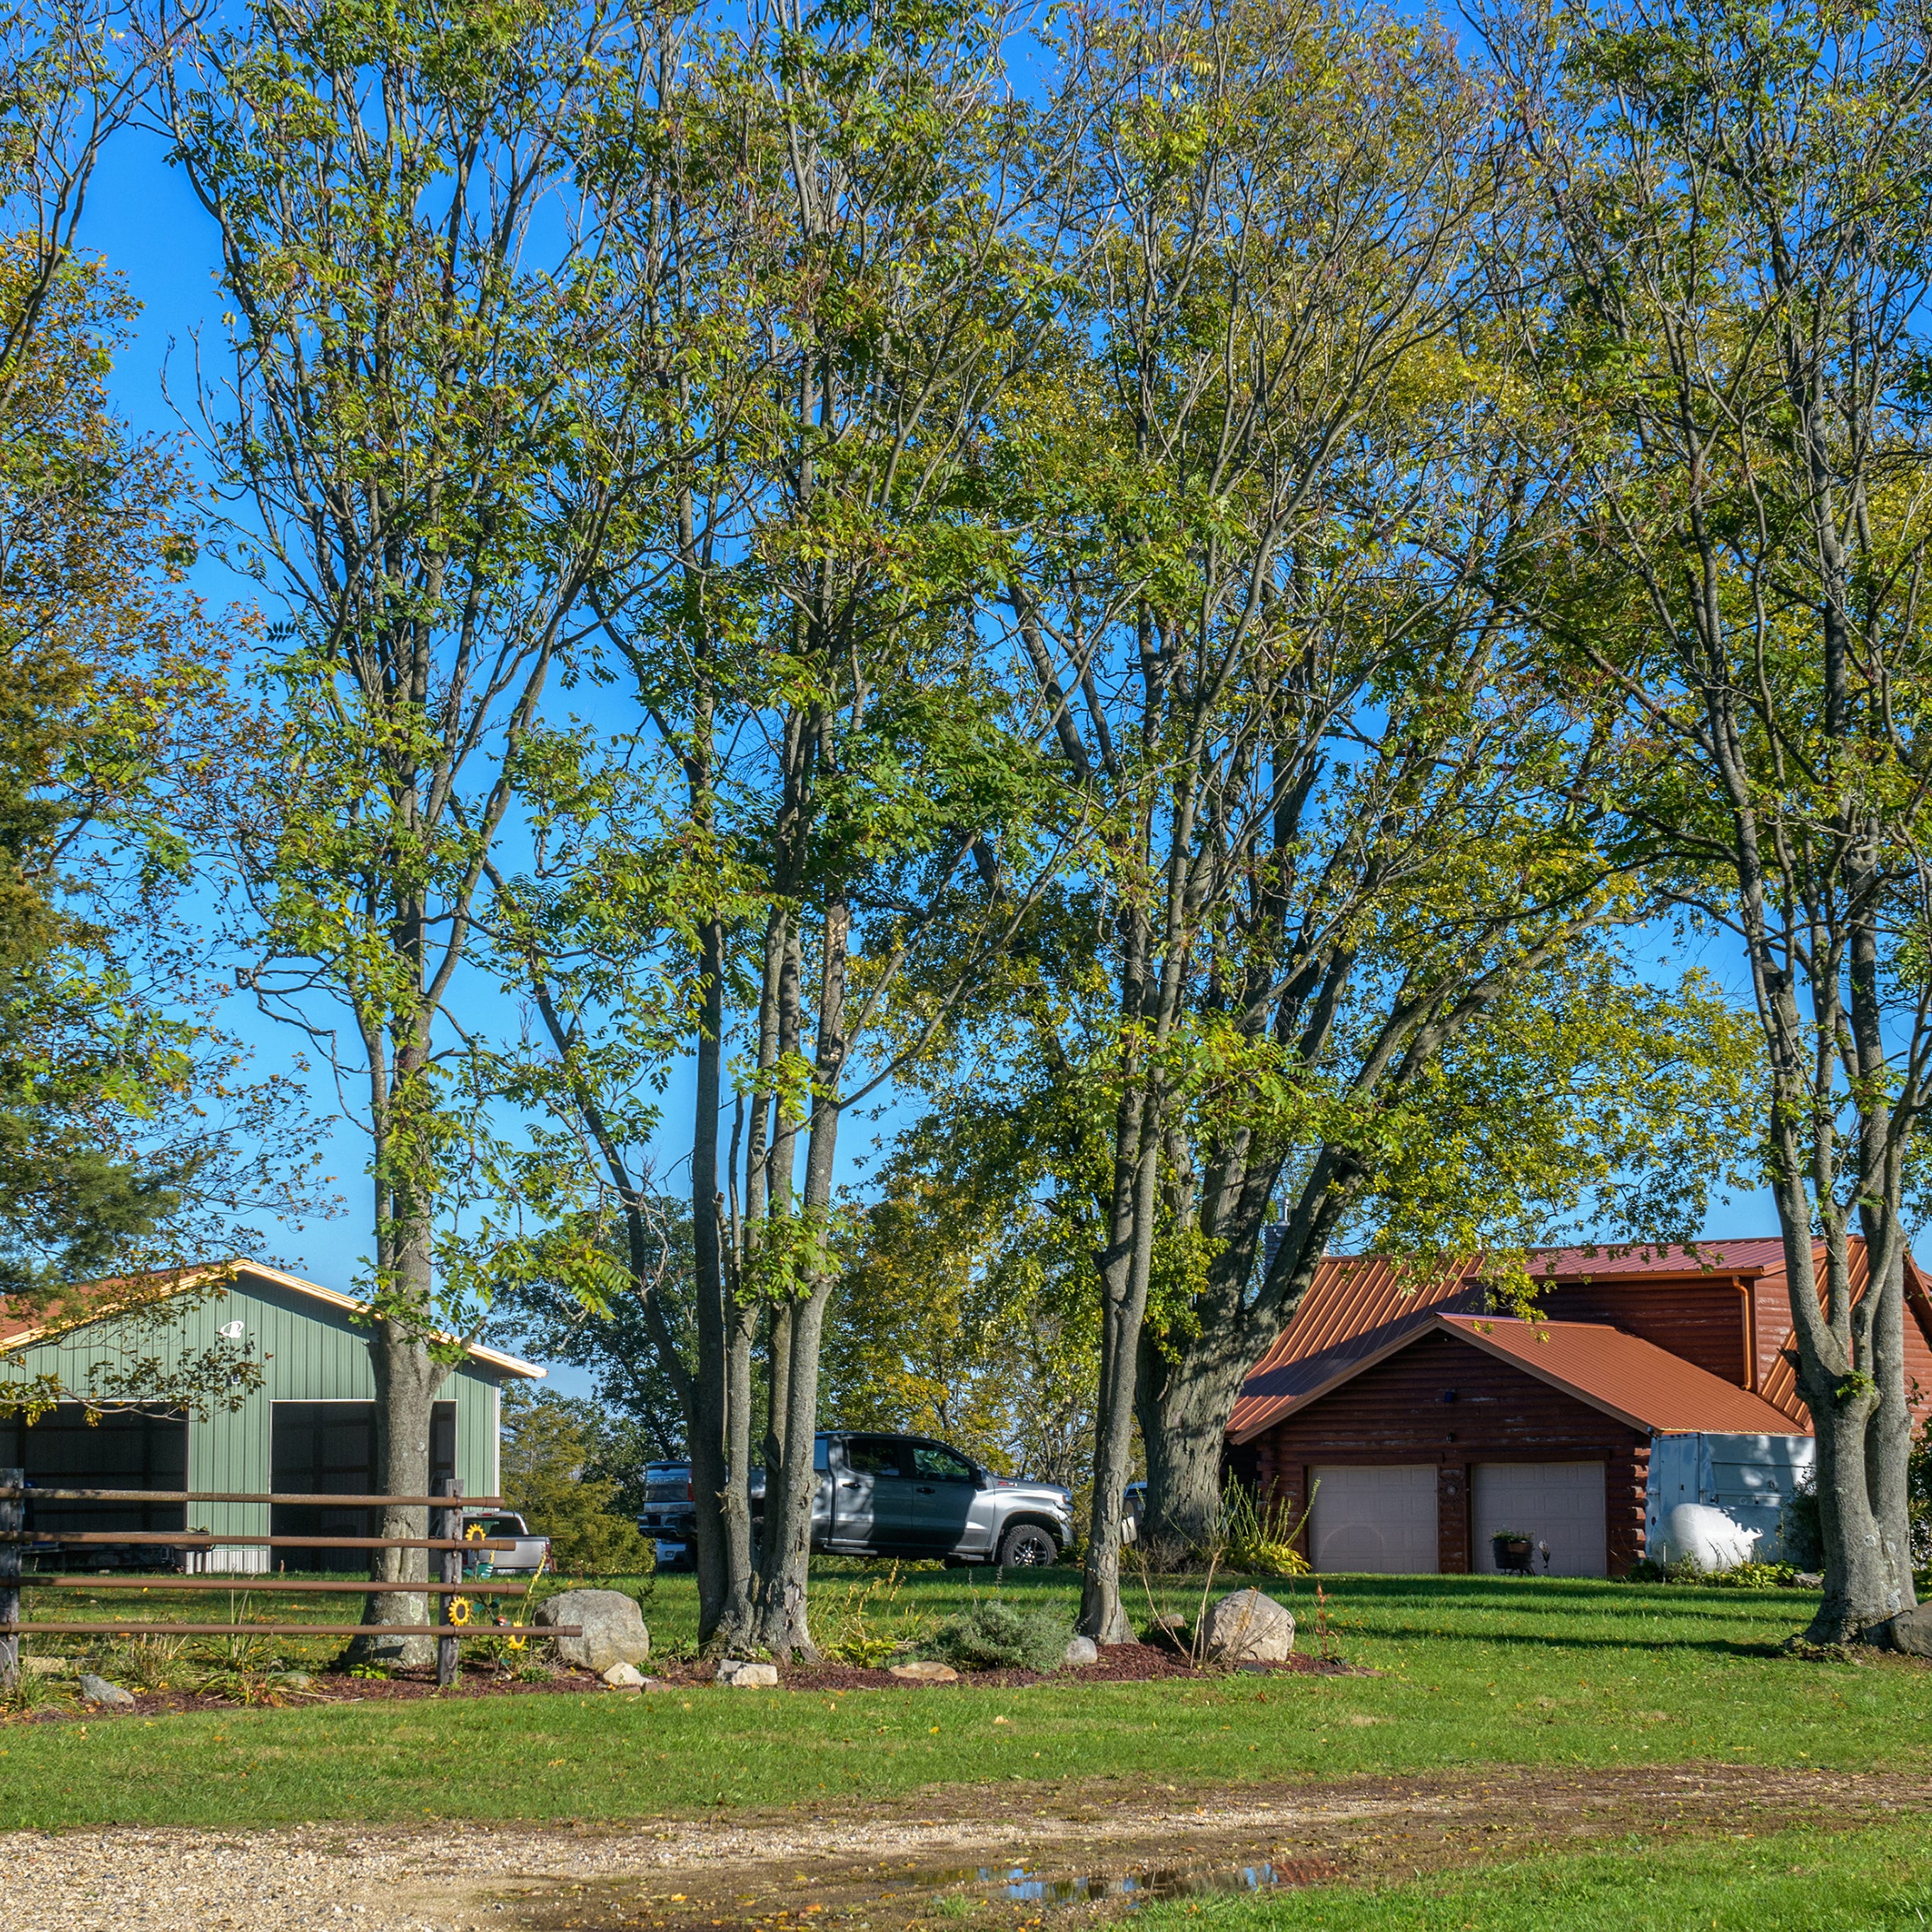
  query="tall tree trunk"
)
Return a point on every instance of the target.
[
  {"x": 791, "y": 1485},
  {"x": 710, "y": 1387},
  {"x": 1865, "y": 1581},
  {"x": 407, "y": 1378},
  {"x": 1183, "y": 1400},
  {"x": 1125, "y": 1269}
]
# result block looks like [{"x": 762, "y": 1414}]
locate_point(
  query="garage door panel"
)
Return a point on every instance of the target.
[
  {"x": 1376, "y": 1518},
  {"x": 1560, "y": 1504}
]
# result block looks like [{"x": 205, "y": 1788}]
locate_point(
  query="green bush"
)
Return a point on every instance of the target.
[
  {"x": 549, "y": 1448},
  {"x": 1755, "y": 1577},
  {"x": 989, "y": 1634}
]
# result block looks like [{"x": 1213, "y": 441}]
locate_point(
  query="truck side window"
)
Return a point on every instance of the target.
[
  {"x": 821, "y": 1453},
  {"x": 873, "y": 1456},
  {"x": 935, "y": 1462}
]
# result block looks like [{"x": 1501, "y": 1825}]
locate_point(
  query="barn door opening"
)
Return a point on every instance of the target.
[
  {"x": 123, "y": 1450},
  {"x": 329, "y": 1448}
]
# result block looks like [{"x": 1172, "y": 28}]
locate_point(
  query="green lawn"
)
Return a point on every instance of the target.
[
  {"x": 1474, "y": 1671},
  {"x": 1874, "y": 1880}
]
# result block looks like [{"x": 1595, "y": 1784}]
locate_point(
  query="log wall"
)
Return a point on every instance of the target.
[{"x": 1443, "y": 1401}]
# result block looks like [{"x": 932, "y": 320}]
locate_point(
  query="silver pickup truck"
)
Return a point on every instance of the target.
[
  {"x": 530, "y": 1555},
  {"x": 890, "y": 1495}
]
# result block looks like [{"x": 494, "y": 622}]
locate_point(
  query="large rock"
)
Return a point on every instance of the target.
[
  {"x": 614, "y": 1629},
  {"x": 1247, "y": 1628},
  {"x": 98, "y": 1691},
  {"x": 1910, "y": 1631},
  {"x": 750, "y": 1676},
  {"x": 926, "y": 1673},
  {"x": 1081, "y": 1651}
]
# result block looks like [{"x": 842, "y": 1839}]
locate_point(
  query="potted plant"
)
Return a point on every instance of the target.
[{"x": 1512, "y": 1548}]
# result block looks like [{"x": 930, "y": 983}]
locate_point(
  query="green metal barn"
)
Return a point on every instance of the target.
[{"x": 309, "y": 1428}]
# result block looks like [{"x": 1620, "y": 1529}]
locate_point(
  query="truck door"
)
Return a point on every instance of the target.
[
  {"x": 942, "y": 1490},
  {"x": 870, "y": 1496}
]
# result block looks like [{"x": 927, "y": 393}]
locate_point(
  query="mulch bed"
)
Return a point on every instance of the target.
[{"x": 1119, "y": 1663}]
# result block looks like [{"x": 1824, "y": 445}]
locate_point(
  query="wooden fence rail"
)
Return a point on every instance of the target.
[
  {"x": 33, "y": 1495},
  {"x": 445, "y": 1536},
  {"x": 206, "y": 1539}
]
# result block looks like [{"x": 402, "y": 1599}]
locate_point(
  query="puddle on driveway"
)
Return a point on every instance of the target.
[{"x": 1016, "y": 1885}]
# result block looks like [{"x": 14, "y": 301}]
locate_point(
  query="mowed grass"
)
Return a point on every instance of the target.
[
  {"x": 1473, "y": 1671},
  {"x": 1876, "y": 1879}
]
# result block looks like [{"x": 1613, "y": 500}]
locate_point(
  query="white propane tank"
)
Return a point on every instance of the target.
[{"x": 1710, "y": 1538}]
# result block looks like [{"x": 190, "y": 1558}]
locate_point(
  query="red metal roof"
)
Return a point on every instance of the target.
[
  {"x": 1639, "y": 1383},
  {"x": 1626, "y": 1376},
  {"x": 1757, "y": 1254},
  {"x": 1354, "y": 1306}
]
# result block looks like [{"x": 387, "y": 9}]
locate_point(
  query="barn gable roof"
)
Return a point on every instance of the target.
[{"x": 22, "y": 1330}]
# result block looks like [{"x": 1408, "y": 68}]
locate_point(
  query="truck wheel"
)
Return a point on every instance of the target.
[{"x": 1026, "y": 1546}]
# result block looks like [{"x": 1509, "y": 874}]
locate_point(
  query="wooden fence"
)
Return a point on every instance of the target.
[{"x": 445, "y": 1536}]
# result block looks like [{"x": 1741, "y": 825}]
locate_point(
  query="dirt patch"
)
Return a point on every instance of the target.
[{"x": 1090, "y": 1853}]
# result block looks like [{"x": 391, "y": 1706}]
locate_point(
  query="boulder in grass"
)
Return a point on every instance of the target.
[
  {"x": 924, "y": 1673},
  {"x": 97, "y": 1690},
  {"x": 624, "y": 1677},
  {"x": 750, "y": 1676},
  {"x": 1081, "y": 1651},
  {"x": 614, "y": 1629},
  {"x": 1910, "y": 1631},
  {"x": 1247, "y": 1627}
]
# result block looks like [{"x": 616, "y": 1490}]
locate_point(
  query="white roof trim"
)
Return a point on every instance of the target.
[{"x": 315, "y": 1291}]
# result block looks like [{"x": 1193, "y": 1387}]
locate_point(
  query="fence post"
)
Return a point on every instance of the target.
[
  {"x": 12, "y": 1519},
  {"x": 450, "y": 1571}
]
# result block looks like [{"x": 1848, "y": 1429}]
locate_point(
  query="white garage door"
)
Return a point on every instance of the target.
[
  {"x": 1381, "y": 1519},
  {"x": 1560, "y": 1504}
]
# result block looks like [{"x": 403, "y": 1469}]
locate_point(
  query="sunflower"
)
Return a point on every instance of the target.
[{"x": 459, "y": 1611}]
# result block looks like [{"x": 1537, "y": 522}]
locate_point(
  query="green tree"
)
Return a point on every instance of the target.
[
  {"x": 120, "y": 1107},
  {"x": 428, "y": 430},
  {"x": 1332, "y": 796},
  {"x": 966, "y": 1309},
  {"x": 1729, "y": 316},
  {"x": 557, "y": 1475},
  {"x": 817, "y": 871}
]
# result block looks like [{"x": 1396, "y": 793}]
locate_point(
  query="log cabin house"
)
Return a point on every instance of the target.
[{"x": 1423, "y": 1424}]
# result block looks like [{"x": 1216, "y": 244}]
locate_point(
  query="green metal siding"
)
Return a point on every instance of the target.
[{"x": 308, "y": 1351}]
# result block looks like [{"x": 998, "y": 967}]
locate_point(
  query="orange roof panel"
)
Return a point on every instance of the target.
[
  {"x": 1626, "y": 1376},
  {"x": 1354, "y": 1307}
]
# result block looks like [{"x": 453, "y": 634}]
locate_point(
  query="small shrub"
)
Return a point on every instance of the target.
[
  {"x": 869, "y": 1624},
  {"x": 1260, "y": 1541},
  {"x": 1646, "y": 1570},
  {"x": 30, "y": 1694},
  {"x": 1754, "y": 1576},
  {"x": 1800, "y": 1527},
  {"x": 148, "y": 1664},
  {"x": 990, "y": 1634}
]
